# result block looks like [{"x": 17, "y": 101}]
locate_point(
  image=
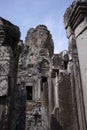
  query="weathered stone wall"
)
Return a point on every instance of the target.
[
  {"x": 9, "y": 53},
  {"x": 40, "y": 89},
  {"x": 75, "y": 24},
  {"x": 67, "y": 114}
]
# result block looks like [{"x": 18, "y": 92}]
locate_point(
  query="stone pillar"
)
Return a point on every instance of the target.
[
  {"x": 39, "y": 88},
  {"x": 49, "y": 94},
  {"x": 81, "y": 40},
  {"x": 9, "y": 54},
  {"x": 56, "y": 90},
  {"x": 45, "y": 88},
  {"x": 75, "y": 20},
  {"x": 67, "y": 115}
]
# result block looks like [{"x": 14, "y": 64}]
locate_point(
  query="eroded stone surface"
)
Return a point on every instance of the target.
[
  {"x": 38, "y": 88},
  {"x": 9, "y": 37}
]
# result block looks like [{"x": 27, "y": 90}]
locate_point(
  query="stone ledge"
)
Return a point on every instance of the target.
[
  {"x": 81, "y": 27},
  {"x": 78, "y": 14},
  {"x": 75, "y": 14}
]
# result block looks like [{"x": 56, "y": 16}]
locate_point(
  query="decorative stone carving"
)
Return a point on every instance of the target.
[
  {"x": 40, "y": 89},
  {"x": 40, "y": 38}
]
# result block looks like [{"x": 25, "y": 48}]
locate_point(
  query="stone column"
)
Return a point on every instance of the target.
[
  {"x": 9, "y": 54},
  {"x": 56, "y": 91},
  {"x": 39, "y": 88},
  {"x": 45, "y": 99},
  {"x": 75, "y": 20},
  {"x": 67, "y": 115},
  {"x": 49, "y": 94},
  {"x": 81, "y": 40}
]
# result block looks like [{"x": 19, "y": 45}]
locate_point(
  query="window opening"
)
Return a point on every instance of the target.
[{"x": 29, "y": 93}]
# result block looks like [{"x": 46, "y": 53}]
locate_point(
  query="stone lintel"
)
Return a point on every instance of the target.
[
  {"x": 29, "y": 84},
  {"x": 8, "y": 31},
  {"x": 76, "y": 14}
]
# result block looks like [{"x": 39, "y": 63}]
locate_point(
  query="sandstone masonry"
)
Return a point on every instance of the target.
[{"x": 41, "y": 90}]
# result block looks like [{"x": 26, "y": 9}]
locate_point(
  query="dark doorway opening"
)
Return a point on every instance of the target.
[
  {"x": 44, "y": 79},
  {"x": 29, "y": 93}
]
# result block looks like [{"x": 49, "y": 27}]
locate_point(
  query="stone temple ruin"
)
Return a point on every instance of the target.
[{"x": 40, "y": 90}]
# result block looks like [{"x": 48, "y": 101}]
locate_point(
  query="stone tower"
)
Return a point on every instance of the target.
[
  {"x": 38, "y": 65},
  {"x": 41, "y": 90}
]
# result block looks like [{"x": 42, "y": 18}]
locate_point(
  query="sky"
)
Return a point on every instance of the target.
[{"x": 30, "y": 13}]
